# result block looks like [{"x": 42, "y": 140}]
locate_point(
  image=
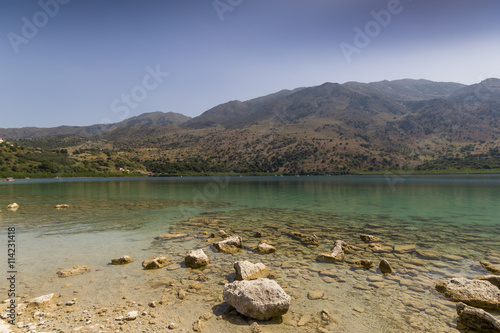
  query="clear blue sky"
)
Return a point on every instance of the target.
[{"x": 90, "y": 61}]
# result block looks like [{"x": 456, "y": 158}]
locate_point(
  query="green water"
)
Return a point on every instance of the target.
[{"x": 454, "y": 215}]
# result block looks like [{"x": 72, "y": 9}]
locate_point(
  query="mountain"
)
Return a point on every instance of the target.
[
  {"x": 146, "y": 119},
  {"x": 408, "y": 90},
  {"x": 386, "y": 126}
]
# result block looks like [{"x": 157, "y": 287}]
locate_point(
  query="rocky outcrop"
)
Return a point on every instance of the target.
[
  {"x": 196, "y": 259},
  {"x": 385, "y": 267},
  {"x": 472, "y": 292},
  {"x": 490, "y": 268},
  {"x": 265, "y": 248},
  {"x": 260, "y": 299},
  {"x": 229, "y": 245},
  {"x": 75, "y": 270},
  {"x": 122, "y": 260},
  {"x": 155, "y": 263},
  {"x": 369, "y": 238},
  {"x": 337, "y": 253},
  {"x": 245, "y": 270},
  {"x": 477, "y": 319},
  {"x": 493, "y": 279}
]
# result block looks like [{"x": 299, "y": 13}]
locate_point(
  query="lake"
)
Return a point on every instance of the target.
[{"x": 448, "y": 222}]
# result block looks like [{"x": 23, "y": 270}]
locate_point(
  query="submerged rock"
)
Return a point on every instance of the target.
[
  {"x": 405, "y": 248},
  {"x": 385, "y": 267},
  {"x": 477, "y": 319},
  {"x": 337, "y": 253},
  {"x": 196, "y": 259},
  {"x": 490, "y": 268},
  {"x": 429, "y": 254},
  {"x": 265, "y": 248},
  {"x": 365, "y": 263},
  {"x": 311, "y": 240},
  {"x": 229, "y": 245},
  {"x": 245, "y": 270},
  {"x": 170, "y": 236},
  {"x": 472, "y": 292},
  {"x": 369, "y": 238},
  {"x": 122, "y": 260},
  {"x": 380, "y": 248},
  {"x": 154, "y": 263},
  {"x": 493, "y": 279},
  {"x": 260, "y": 299},
  {"x": 75, "y": 270}
]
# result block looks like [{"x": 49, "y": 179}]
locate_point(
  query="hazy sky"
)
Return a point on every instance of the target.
[{"x": 81, "y": 62}]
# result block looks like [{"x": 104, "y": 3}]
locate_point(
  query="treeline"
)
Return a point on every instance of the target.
[{"x": 486, "y": 161}]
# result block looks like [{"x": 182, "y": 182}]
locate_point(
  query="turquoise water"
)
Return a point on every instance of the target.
[{"x": 454, "y": 215}]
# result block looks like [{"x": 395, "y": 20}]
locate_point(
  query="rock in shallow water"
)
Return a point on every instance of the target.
[
  {"x": 385, "y": 267},
  {"x": 337, "y": 253},
  {"x": 365, "y": 263},
  {"x": 260, "y": 299},
  {"x": 477, "y": 319},
  {"x": 369, "y": 238},
  {"x": 75, "y": 270},
  {"x": 154, "y": 263},
  {"x": 245, "y": 270},
  {"x": 472, "y": 292},
  {"x": 196, "y": 259},
  {"x": 122, "y": 260},
  {"x": 490, "y": 268},
  {"x": 493, "y": 279},
  {"x": 229, "y": 245},
  {"x": 264, "y": 248}
]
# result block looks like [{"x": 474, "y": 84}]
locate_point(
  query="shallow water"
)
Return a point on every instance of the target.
[{"x": 456, "y": 216}]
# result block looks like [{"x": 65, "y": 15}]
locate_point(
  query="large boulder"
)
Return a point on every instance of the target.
[
  {"x": 196, "y": 259},
  {"x": 154, "y": 263},
  {"x": 472, "y": 292},
  {"x": 245, "y": 270},
  {"x": 75, "y": 270},
  {"x": 229, "y": 245},
  {"x": 477, "y": 319},
  {"x": 337, "y": 253},
  {"x": 260, "y": 299}
]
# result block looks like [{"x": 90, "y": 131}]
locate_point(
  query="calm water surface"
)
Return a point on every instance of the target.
[{"x": 454, "y": 215}]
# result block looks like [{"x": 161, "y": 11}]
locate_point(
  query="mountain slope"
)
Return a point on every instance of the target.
[{"x": 146, "y": 119}]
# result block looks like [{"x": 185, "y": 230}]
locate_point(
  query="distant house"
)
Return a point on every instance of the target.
[{"x": 1, "y": 140}]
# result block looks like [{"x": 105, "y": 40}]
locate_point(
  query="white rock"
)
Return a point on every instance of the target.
[
  {"x": 260, "y": 299},
  {"x": 41, "y": 300},
  {"x": 245, "y": 270},
  {"x": 132, "y": 315},
  {"x": 196, "y": 259}
]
